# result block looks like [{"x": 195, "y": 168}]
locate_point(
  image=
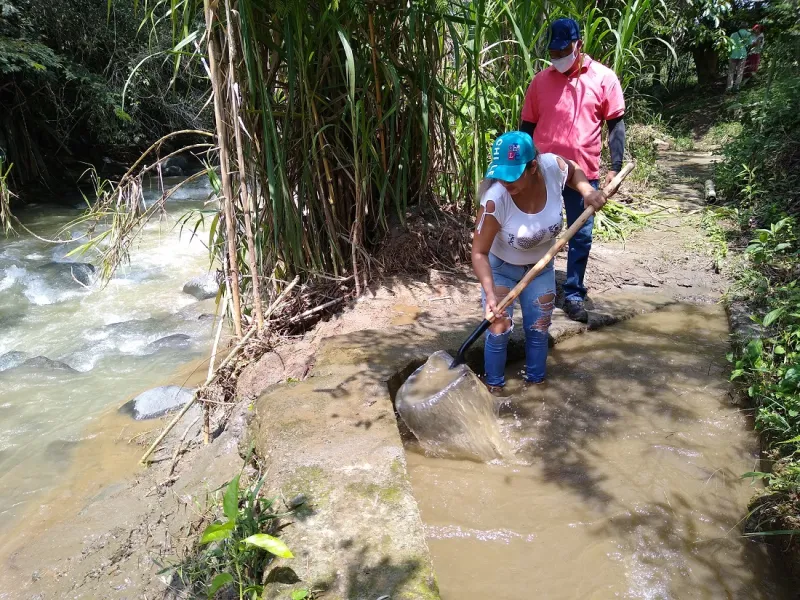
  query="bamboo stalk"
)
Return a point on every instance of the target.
[
  {"x": 274, "y": 306},
  {"x": 189, "y": 404},
  {"x": 378, "y": 99},
  {"x": 227, "y": 192},
  {"x": 206, "y": 409},
  {"x": 316, "y": 309},
  {"x": 215, "y": 345},
  {"x": 244, "y": 196}
]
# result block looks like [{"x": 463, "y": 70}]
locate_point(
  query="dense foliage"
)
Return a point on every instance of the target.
[
  {"x": 63, "y": 66},
  {"x": 760, "y": 177}
]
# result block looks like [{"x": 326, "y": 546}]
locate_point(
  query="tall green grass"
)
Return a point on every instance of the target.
[{"x": 348, "y": 113}]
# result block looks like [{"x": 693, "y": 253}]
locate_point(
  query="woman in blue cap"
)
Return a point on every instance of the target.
[{"x": 519, "y": 219}]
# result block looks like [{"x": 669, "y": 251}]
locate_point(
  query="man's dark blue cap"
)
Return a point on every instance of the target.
[{"x": 563, "y": 32}]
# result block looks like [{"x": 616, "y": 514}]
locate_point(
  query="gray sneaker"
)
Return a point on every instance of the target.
[{"x": 576, "y": 310}]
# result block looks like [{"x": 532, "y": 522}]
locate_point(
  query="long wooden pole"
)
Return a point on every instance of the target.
[
  {"x": 245, "y": 198},
  {"x": 222, "y": 139}
]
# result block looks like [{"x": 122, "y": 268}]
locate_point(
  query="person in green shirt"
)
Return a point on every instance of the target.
[{"x": 740, "y": 42}]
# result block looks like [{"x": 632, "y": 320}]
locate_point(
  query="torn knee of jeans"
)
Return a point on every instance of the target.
[
  {"x": 507, "y": 332},
  {"x": 545, "y": 303}
]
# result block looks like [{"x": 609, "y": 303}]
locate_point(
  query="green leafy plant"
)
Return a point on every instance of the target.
[
  {"x": 759, "y": 180},
  {"x": 712, "y": 221},
  {"x": 617, "y": 220},
  {"x": 236, "y": 550},
  {"x": 774, "y": 242}
]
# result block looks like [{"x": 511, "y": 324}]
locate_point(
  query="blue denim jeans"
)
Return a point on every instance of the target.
[
  {"x": 579, "y": 245},
  {"x": 536, "y": 315}
]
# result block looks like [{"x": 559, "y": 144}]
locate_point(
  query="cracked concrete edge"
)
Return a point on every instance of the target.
[
  {"x": 332, "y": 442},
  {"x": 743, "y": 328}
]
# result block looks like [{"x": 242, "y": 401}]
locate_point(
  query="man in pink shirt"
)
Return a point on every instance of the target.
[{"x": 564, "y": 110}]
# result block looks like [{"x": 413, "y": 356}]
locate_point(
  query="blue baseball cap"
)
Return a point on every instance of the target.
[
  {"x": 511, "y": 153},
  {"x": 563, "y": 32}
]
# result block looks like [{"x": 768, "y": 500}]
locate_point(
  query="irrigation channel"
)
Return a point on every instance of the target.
[
  {"x": 72, "y": 351},
  {"x": 624, "y": 481}
]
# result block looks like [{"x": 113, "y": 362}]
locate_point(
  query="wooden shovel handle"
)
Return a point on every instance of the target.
[{"x": 609, "y": 191}]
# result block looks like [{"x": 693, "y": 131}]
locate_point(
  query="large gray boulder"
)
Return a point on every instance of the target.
[
  {"x": 172, "y": 171},
  {"x": 202, "y": 287},
  {"x": 178, "y": 161},
  {"x": 157, "y": 402},
  {"x": 67, "y": 273}
]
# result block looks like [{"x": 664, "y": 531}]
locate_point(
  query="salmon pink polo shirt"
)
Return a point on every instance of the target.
[{"x": 569, "y": 111}]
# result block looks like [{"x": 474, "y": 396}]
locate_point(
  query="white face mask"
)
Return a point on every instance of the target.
[{"x": 562, "y": 65}]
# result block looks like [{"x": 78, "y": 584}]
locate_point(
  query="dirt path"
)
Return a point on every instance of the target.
[
  {"x": 672, "y": 253},
  {"x": 114, "y": 544}
]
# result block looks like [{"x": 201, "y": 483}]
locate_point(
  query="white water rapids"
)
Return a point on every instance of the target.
[{"x": 100, "y": 339}]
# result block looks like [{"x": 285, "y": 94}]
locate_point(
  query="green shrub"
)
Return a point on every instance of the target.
[{"x": 759, "y": 177}]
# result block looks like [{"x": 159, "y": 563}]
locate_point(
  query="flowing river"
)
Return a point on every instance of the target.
[
  {"x": 625, "y": 482},
  {"x": 73, "y": 351}
]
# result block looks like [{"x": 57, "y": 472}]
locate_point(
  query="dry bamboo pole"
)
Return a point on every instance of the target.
[
  {"x": 189, "y": 404},
  {"x": 330, "y": 201},
  {"x": 211, "y": 362},
  {"x": 222, "y": 139},
  {"x": 274, "y": 306},
  {"x": 218, "y": 335},
  {"x": 378, "y": 98},
  {"x": 245, "y": 198}
]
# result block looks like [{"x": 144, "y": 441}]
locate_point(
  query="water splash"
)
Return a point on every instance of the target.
[{"x": 451, "y": 412}]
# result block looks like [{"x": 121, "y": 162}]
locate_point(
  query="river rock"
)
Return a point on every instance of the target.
[
  {"x": 179, "y": 162},
  {"x": 157, "y": 402},
  {"x": 70, "y": 272},
  {"x": 202, "y": 287},
  {"x": 743, "y": 328},
  {"x": 172, "y": 171},
  {"x": 174, "y": 341},
  {"x": 44, "y": 363},
  {"x": 12, "y": 359}
]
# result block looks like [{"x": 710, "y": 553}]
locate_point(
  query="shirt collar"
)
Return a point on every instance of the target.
[{"x": 587, "y": 60}]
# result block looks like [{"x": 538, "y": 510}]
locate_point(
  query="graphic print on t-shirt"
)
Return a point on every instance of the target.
[{"x": 526, "y": 243}]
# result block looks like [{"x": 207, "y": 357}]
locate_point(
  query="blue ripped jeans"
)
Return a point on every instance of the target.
[{"x": 537, "y": 309}]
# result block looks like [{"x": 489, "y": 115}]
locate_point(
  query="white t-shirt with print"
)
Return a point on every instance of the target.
[{"x": 525, "y": 238}]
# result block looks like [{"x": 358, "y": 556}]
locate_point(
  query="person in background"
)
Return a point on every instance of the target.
[
  {"x": 740, "y": 42},
  {"x": 519, "y": 220},
  {"x": 756, "y": 47},
  {"x": 564, "y": 110}
]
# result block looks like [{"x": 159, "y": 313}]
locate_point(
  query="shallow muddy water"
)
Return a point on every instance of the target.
[
  {"x": 625, "y": 482},
  {"x": 92, "y": 347}
]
